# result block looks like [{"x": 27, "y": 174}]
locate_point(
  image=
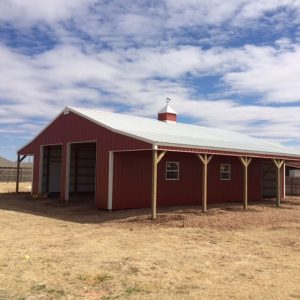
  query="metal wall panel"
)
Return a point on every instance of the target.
[
  {"x": 185, "y": 191},
  {"x": 71, "y": 128},
  {"x": 220, "y": 191},
  {"x": 132, "y": 180}
]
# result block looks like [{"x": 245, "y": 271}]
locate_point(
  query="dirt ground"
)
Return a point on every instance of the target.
[
  {"x": 10, "y": 187},
  {"x": 49, "y": 250}
]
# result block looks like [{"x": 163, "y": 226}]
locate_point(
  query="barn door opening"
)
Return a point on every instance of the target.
[
  {"x": 52, "y": 157},
  {"x": 268, "y": 183},
  {"x": 82, "y": 171}
]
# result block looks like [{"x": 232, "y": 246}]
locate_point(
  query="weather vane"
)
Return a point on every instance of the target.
[{"x": 168, "y": 100}]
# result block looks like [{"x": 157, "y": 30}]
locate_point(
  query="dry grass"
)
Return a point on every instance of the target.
[
  {"x": 52, "y": 251},
  {"x": 10, "y": 187}
]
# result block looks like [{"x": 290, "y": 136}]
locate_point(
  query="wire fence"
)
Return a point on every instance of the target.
[{"x": 10, "y": 174}]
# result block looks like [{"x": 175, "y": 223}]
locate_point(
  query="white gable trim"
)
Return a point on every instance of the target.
[
  {"x": 66, "y": 110},
  {"x": 40, "y": 132}
]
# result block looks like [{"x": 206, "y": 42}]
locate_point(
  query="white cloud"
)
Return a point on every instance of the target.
[
  {"x": 149, "y": 22},
  {"x": 134, "y": 55},
  {"x": 271, "y": 73},
  {"x": 142, "y": 78},
  {"x": 31, "y": 11}
]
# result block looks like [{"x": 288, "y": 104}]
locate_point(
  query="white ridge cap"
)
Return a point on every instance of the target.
[{"x": 167, "y": 109}]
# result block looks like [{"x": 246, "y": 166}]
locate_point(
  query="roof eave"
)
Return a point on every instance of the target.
[{"x": 236, "y": 151}]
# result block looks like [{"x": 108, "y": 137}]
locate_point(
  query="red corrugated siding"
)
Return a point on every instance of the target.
[
  {"x": 232, "y": 190},
  {"x": 73, "y": 128},
  {"x": 132, "y": 181},
  {"x": 186, "y": 190}
]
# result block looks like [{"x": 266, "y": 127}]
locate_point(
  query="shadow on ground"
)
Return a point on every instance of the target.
[{"x": 80, "y": 210}]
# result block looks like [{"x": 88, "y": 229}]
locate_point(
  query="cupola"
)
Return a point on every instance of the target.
[{"x": 167, "y": 113}]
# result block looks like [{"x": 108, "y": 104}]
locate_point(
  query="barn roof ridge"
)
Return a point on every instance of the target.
[{"x": 181, "y": 134}]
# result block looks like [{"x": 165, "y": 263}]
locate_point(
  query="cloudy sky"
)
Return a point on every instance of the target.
[{"x": 230, "y": 64}]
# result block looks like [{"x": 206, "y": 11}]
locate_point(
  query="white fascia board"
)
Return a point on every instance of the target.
[
  {"x": 65, "y": 109},
  {"x": 251, "y": 152}
]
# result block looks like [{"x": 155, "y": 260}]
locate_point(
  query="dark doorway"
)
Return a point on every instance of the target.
[
  {"x": 52, "y": 169},
  {"x": 268, "y": 184},
  {"x": 82, "y": 169}
]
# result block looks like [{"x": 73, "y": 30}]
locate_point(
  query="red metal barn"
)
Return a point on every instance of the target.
[{"x": 134, "y": 162}]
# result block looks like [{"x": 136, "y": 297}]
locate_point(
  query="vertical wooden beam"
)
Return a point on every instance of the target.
[
  {"x": 284, "y": 178},
  {"x": 278, "y": 163},
  {"x": 67, "y": 166},
  {"x": 245, "y": 162},
  {"x": 18, "y": 171},
  {"x": 155, "y": 160},
  {"x": 278, "y": 198},
  {"x": 65, "y": 173},
  {"x": 205, "y": 160},
  {"x": 110, "y": 180},
  {"x": 204, "y": 191},
  {"x": 154, "y": 184},
  {"x": 18, "y": 174}
]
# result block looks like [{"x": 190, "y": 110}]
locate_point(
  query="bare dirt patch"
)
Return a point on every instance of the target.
[{"x": 52, "y": 251}]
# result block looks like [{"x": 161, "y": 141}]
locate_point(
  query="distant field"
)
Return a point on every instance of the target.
[
  {"x": 10, "y": 187},
  {"x": 52, "y": 251}
]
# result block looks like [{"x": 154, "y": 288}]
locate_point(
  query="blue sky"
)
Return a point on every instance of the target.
[{"x": 229, "y": 64}]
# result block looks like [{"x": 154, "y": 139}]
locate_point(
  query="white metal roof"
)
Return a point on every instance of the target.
[{"x": 181, "y": 135}]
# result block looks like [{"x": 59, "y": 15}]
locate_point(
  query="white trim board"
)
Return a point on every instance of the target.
[{"x": 110, "y": 180}]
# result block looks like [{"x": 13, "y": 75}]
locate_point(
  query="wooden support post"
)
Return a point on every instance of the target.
[
  {"x": 67, "y": 172},
  {"x": 18, "y": 174},
  {"x": 205, "y": 160},
  {"x": 155, "y": 160},
  {"x": 18, "y": 171},
  {"x": 284, "y": 178},
  {"x": 245, "y": 162},
  {"x": 278, "y": 163}
]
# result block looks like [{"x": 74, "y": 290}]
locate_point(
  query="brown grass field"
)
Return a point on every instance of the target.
[
  {"x": 10, "y": 187},
  {"x": 49, "y": 250}
]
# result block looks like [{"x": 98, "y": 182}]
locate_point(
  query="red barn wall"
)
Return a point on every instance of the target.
[
  {"x": 74, "y": 128},
  {"x": 232, "y": 190},
  {"x": 186, "y": 190},
  {"x": 132, "y": 180}
]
